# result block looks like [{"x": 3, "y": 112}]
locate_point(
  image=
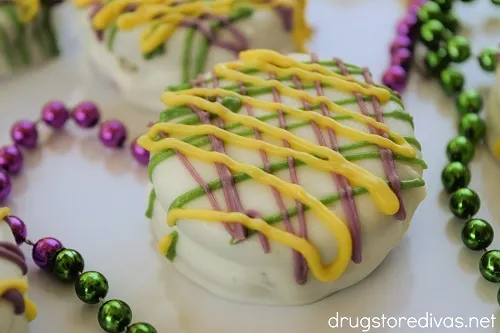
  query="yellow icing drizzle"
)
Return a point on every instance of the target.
[
  {"x": 27, "y": 9},
  {"x": 163, "y": 18},
  {"x": 19, "y": 284},
  {"x": 314, "y": 155},
  {"x": 165, "y": 244},
  {"x": 496, "y": 149}
]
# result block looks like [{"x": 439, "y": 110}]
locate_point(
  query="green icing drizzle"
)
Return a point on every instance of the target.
[
  {"x": 112, "y": 32},
  {"x": 40, "y": 37},
  {"x": 171, "y": 253},
  {"x": 151, "y": 203},
  {"x": 49, "y": 31},
  {"x": 20, "y": 37},
  {"x": 6, "y": 49},
  {"x": 186, "y": 55},
  {"x": 160, "y": 50},
  {"x": 198, "y": 192}
]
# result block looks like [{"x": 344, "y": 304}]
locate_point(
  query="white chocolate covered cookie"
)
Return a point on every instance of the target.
[
  {"x": 27, "y": 38},
  {"x": 146, "y": 46},
  {"x": 16, "y": 310},
  {"x": 285, "y": 178}
]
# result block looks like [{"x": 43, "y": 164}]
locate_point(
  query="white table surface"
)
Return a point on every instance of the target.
[{"x": 93, "y": 199}]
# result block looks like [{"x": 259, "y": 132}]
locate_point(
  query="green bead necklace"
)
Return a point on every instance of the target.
[{"x": 437, "y": 32}]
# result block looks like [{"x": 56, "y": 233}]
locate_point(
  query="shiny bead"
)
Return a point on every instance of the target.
[
  {"x": 55, "y": 114},
  {"x": 488, "y": 58},
  {"x": 429, "y": 11},
  {"x": 140, "y": 154},
  {"x": 407, "y": 25},
  {"x": 445, "y": 5},
  {"x": 460, "y": 149},
  {"x": 469, "y": 101},
  {"x": 112, "y": 133},
  {"x": 114, "y": 316},
  {"x": 489, "y": 266},
  {"x": 91, "y": 287},
  {"x": 401, "y": 57},
  {"x": 401, "y": 42},
  {"x": 458, "y": 48},
  {"x": 432, "y": 33},
  {"x": 477, "y": 234},
  {"x": 455, "y": 176},
  {"x": 472, "y": 127},
  {"x": 44, "y": 250},
  {"x": 86, "y": 114},
  {"x": 464, "y": 203},
  {"x": 451, "y": 22},
  {"x": 141, "y": 328},
  {"x": 18, "y": 228},
  {"x": 437, "y": 61},
  {"x": 67, "y": 264},
  {"x": 232, "y": 103},
  {"x": 452, "y": 81},
  {"x": 11, "y": 159},
  {"x": 25, "y": 134},
  {"x": 5, "y": 185},
  {"x": 395, "y": 78}
]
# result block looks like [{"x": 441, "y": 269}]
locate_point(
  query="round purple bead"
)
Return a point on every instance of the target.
[
  {"x": 402, "y": 57},
  {"x": 407, "y": 26},
  {"x": 395, "y": 78},
  {"x": 86, "y": 114},
  {"x": 25, "y": 134},
  {"x": 112, "y": 133},
  {"x": 5, "y": 185},
  {"x": 140, "y": 154},
  {"x": 11, "y": 159},
  {"x": 44, "y": 249},
  {"x": 18, "y": 228},
  {"x": 55, "y": 114},
  {"x": 401, "y": 42}
]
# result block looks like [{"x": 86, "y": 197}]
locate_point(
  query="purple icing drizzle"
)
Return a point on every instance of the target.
[
  {"x": 12, "y": 253},
  {"x": 16, "y": 298},
  {"x": 342, "y": 184},
  {"x": 300, "y": 266},
  {"x": 385, "y": 154},
  {"x": 286, "y": 14}
]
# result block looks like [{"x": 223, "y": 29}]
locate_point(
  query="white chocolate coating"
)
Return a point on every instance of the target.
[
  {"x": 144, "y": 85},
  {"x": 9, "y": 321},
  {"x": 493, "y": 115},
  {"x": 243, "y": 272}
]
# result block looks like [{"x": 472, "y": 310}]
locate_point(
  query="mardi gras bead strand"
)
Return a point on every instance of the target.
[{"x": 67, "y": 265}]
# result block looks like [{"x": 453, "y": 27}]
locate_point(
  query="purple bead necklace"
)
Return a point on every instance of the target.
[{"x": 24, "y": 134}]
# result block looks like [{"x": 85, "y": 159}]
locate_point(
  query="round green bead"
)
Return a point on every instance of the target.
[
  {"x": 114, "y": 316},
  {"x": 472, "y": 126},
  {"x": 460, "y": 149},
  {"x": 232, "y": 103},
  {"x": 469, "y": 101},
  {"x": 445, "y": 5},
  {"x": 488, "y": 58},
  {"x": 477, "y": 234},
  {"x": 458, "y": 48},
  {"x": 437, "y": 61},
  {"x": 489, "y": 266},
  {"x": 455, "y": 176},
  {"x": 67, "y": 264},
  {"x": 432, "y": 33},
  {"x": 451, "y": 22},
  {"x": 429, "y": 11},
  {"x": 141, "y": 328},
  {"x": 495, "y": 2},
  {"x": 91, "y": 287},
  {"x": 452, "y": 81},
  {"x": 464, "y": 203}
]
